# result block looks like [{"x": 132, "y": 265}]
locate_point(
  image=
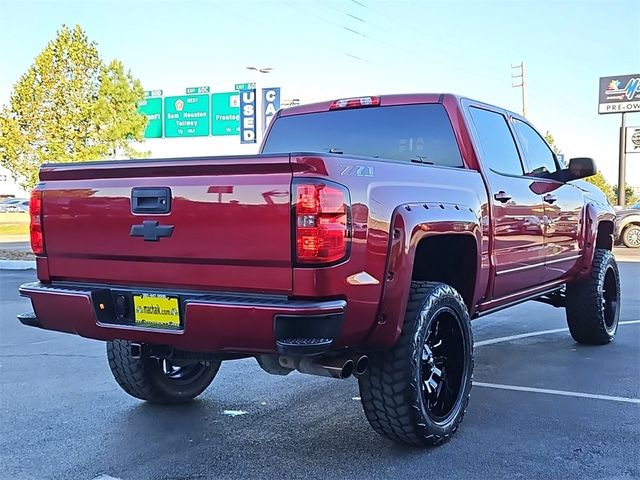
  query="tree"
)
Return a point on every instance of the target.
[
  {"x": 552, "y": 143},
  {"x": 599, "y": 181},
  {"x": 119, "y": 121},
  {"x": 630, "y": 194},
  {"x": 64, "y": 108}
]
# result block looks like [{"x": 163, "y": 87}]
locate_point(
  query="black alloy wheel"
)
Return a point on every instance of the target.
[{"x": 442, "y": 365}]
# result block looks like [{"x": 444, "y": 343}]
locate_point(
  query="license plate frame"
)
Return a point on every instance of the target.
[{"x": 156, "y": 310}]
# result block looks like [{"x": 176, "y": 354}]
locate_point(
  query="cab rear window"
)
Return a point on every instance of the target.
[{"x": 418, "y": 133}]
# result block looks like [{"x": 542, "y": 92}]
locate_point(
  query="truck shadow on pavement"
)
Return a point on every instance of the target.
[{"x": 197, "y": 439}]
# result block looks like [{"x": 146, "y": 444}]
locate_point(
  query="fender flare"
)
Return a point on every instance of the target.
[
  {"x": 411, "y": 223},
  {"x": 593, "y": 217}
]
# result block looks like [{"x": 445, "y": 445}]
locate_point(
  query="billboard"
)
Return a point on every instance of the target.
[
  {"x": 270, "y": 105},
  {"x": 187, "y": 116},
  {"x": 225, "y": 114},
  {"x": 619, "y": 94},
  {"x": 248, "y": 116}
]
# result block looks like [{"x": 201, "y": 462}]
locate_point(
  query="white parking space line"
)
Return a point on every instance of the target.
[
  {"x": 556, "y": 392},
  {"x": 234, "y": 413},
  {"x": 493, "y": 341}
]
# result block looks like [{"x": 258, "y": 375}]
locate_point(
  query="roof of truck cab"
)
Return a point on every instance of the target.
[
  {"x": 388, "y": 100},
  {"x": 385, "y": 100}
]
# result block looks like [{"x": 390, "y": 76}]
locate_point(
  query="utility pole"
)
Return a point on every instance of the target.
[{"x": 522, "y": 84}]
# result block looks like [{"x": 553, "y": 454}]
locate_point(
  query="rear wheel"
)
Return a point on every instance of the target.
[
  {"x": 593, "y": 304},
  {"x": 158, "y": 380},
  {"x": 417, "y": 392},
  {"x": 631, "y": 236}
]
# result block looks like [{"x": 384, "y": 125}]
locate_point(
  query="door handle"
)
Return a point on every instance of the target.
[
  {"x": 550, "y": 198},
  {"x": 502, "y": 196}
]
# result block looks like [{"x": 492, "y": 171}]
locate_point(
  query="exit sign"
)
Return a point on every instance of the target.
[
  {"x": 195, "y": 90},
  {"x": 245, "y": 86}
]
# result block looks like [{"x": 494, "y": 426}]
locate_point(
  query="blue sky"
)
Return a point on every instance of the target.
[{"x": 330, "y": 49}]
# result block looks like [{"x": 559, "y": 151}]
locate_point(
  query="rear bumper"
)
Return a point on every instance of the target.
[{"x": 228, "y": 322}]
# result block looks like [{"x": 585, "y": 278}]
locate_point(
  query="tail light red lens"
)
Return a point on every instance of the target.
[
  {"x": 35, "y": 226},
  {"x": 322, "y": 222}
]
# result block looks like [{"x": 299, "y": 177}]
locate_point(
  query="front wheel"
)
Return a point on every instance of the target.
[
  {"x": 418, "y": 391},
  {"x": 593, "y": 304},
  {"x": 158, "y": 380}
]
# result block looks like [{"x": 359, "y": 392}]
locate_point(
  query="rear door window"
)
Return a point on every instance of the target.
[{"x": 421, "y": 133}]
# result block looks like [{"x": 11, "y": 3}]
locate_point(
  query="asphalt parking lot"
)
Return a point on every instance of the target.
[{"x": 542, "y": 407}]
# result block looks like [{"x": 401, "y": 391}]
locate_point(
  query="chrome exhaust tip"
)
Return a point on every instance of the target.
[
  {"x": 338, "y": 367},
  {"x": 361, "y": 363}
]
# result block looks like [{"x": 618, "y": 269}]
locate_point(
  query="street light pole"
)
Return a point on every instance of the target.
[
  {"x": 622, "y": 157},
  {"x": 258, "y": 71}
]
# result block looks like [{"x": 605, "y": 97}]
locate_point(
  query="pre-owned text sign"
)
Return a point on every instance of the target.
[
  {"x": 619, "y": 94},
  {"x": 187, "y": 116}
]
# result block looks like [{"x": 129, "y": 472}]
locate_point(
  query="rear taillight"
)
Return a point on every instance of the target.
[
  {"x": 322, "y": 222},
  {"x": 35, "y": 226}
]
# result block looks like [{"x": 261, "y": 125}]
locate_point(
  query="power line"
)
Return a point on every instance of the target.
[
  {"x": 330, "y": 22},
  {"x": 342, "y": 11},
  {"x": 402, "y": 49},
  {"x": 325, "y": 47},
  {"x": 458, "y": 47}
]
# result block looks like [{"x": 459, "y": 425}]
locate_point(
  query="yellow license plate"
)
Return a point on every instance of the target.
[{"x": 155, "y": 310}]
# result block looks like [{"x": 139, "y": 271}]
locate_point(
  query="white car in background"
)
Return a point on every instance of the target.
[
  {"x": 13, "y": 205},
  {"x": 627, "y": 229}
]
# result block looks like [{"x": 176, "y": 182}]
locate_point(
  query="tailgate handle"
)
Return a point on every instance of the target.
[{"x": 151, "y": 200}]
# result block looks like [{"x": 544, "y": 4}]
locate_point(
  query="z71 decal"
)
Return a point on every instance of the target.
[{"x": 356, "y": 171}]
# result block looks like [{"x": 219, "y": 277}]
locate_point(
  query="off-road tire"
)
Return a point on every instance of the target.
[
  {"x": 145, "y": 379},
  {"x": 391, "y": 392},
  {"x": 589, "y": 316},
  {"x": 630, "y": 236}
]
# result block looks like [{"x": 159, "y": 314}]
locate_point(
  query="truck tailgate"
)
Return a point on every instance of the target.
[{"x": 230, "y": 217}]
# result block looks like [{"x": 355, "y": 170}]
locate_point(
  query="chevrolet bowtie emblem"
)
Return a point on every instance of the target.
[{"x": 151, "y": 230}]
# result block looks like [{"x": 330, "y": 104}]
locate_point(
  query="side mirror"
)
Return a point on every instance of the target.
[{"x": 580, "y": 167}]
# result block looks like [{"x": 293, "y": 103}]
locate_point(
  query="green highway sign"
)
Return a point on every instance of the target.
[
  {"x": 152, "y": 108},
  {"x": 225, "y": 113},
  {"x": 245, "y": 86},
  {"x": 187, "y": 116},
  {"x": 153, "y": 93},
  {"x": 193, "y": 90}
]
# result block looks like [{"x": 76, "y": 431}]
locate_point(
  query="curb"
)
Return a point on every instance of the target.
[{"x": 17, "y": 264}]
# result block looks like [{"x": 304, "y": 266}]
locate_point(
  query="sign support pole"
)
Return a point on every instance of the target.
[{"x": 622, "y": 158}]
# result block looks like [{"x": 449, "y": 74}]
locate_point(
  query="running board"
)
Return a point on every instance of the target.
[{"x": 539, "y": 296}]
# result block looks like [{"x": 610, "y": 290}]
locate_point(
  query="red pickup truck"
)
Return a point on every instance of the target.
[{"x": 360, "y": 241}]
